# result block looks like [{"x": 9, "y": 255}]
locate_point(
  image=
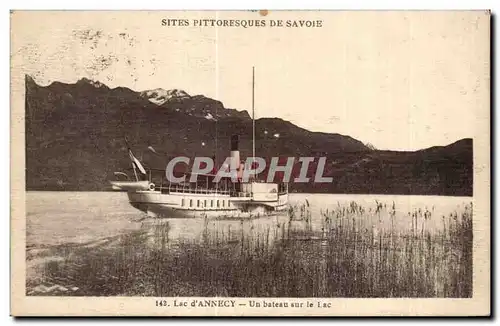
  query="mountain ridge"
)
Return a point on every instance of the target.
[{"x": 75, "y": 132}]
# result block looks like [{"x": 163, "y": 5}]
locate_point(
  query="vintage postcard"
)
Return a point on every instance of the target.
[{"x": 250, "y": 163}]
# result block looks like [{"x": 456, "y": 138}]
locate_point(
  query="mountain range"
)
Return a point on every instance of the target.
[{"x": 75, "y": 141}]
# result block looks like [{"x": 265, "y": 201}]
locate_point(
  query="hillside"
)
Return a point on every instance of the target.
[{"x": 75, "y": 141}]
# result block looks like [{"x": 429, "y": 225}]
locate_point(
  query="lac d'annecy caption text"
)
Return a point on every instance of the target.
[{"x": 232, "y": 303}]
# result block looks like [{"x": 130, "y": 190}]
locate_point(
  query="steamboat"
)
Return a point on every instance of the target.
[{"x": 205, "y": 195}]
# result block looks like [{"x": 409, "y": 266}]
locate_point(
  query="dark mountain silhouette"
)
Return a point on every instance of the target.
[{"x": 75, "y": 141}]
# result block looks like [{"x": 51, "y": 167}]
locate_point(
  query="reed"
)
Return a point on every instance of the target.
[{"x": 356, "y": 252}]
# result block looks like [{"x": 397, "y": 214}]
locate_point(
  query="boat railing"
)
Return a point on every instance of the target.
[
  {"x": 197, "y": 188},
  {"x": 202, "y": 190}
]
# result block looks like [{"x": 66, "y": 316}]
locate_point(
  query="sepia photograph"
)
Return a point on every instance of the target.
[{"x": 250, "y": 162}]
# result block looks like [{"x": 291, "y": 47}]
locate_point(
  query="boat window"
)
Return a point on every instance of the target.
[
  {"x": 218, "y": 204},
  {"x": 223, "y": 203},
  {"x": 212, "y": 203},
  {"x": 205, "y": 203},
  {"x": 190, "y": 203},
  {"x": 183, "y": 203},
  {"x": 198, "y": 203}
]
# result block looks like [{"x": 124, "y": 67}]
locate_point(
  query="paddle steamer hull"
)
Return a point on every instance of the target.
[{"x": 189, "y": 205}]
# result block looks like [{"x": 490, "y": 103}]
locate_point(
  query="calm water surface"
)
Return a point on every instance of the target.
[{"x": 55, "y": 218}]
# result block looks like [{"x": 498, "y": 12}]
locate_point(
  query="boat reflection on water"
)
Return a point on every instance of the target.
[{"x": 260, "y": 231}]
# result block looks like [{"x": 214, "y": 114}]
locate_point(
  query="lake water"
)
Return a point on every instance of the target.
[
  {"x": 95, "y": 243},
  {"x": 56, "y": 218}
]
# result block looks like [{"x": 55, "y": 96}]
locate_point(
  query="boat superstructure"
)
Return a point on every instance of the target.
[{"x": 203, "y": 194}]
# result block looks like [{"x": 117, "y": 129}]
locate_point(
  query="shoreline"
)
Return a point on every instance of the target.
[{"x": 291, "y": 193}]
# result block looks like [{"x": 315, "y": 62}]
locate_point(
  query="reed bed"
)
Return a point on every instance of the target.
[{"x": 353, "y": 252}]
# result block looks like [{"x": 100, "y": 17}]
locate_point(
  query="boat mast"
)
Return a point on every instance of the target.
[{"x": 253, "y": 113}]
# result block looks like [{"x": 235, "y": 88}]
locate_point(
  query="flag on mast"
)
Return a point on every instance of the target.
[{"x": 136, "y": 162}]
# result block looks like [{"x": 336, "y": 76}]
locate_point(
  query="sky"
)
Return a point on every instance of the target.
[{"x": 396, "y": 80}]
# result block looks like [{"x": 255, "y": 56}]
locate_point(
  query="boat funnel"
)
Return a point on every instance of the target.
[{"x": 235, "y": 152}]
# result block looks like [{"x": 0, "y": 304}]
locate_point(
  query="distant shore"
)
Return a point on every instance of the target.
[{"x": 291, "y": 193}]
